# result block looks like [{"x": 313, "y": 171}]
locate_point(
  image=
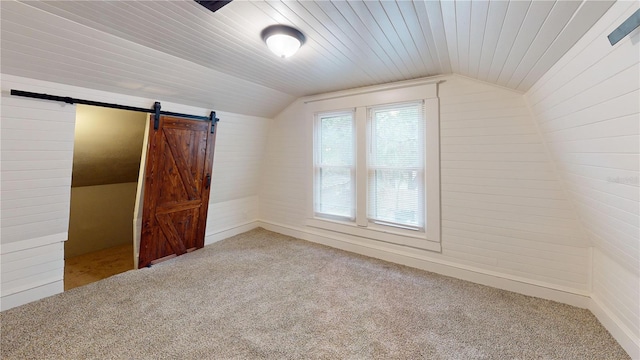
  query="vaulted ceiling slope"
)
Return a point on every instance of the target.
[{"x": 180, "y": 51}]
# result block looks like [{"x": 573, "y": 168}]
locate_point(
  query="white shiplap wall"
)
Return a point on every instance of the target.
[
  {"x": 503, "y": 208},
  {"x": 588, "y": 110},
  {"x": 238, "y": 158},
  {"x": 37, "y": 156},
  {"x": 504, "y": 213},
  {"x": 237, "y": 165},
  {"x": 283, "y": 194},
  {"x": 37, "y": 153},
  {"x": 41, "y": 45}
]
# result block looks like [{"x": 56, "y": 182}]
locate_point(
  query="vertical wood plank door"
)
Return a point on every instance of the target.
[{"x": 177, "y": 182}]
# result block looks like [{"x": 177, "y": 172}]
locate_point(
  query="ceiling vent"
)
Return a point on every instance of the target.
[{"x": 213, "y": 5}]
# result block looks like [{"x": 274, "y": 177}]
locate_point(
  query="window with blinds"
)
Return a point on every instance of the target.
[
  {"x": 334, "y": 166},
  {"x": 396, "y": 165},
  {"x": 376, "y": 167}
]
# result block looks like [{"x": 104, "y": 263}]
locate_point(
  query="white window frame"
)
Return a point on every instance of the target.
[
  {"x": 317, "y": 167},
  {"x": 361, "y": 100},
  {"x": 422, "y": 169}
]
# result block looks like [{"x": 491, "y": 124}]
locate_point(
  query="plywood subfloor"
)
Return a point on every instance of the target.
[{"x": 85, "y": 269}]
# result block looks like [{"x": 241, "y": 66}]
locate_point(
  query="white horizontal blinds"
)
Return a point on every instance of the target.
[
  {"x": 396, "y": 165},
  {"x": 334, "y": 190}
]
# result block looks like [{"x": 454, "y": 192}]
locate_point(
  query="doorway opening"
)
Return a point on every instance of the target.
[{"x": 108, "y": 150}]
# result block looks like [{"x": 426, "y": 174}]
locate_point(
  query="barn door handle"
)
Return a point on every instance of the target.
[{"x": 207, "y": 181}]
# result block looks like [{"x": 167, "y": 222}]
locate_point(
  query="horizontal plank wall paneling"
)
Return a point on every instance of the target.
[
  {"x": 230, "y": 218},
  {"x": 28, "y": 175},
  {"x": 47, "y": 46},
  {"x": 283, "y": 192},
  {"x": 504, "y": 211},
  {"x": 588, "y": 110},
  {"x": 615, "y": 300},
  {"x": 36, "y": 180},
  {"x": 503, "y": 208},
  {"x": 34, "y": 196},
  {"x": 238, "y": 158},
  {"x": 30, "y": 268}
]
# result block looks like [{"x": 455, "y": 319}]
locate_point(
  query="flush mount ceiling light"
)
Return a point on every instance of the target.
[{"x": 283, "y": 40}]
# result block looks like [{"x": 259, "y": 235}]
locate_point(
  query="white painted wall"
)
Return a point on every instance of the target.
[
  {"x": 588, "y": 110},
  {"x": 37, "y": 153},
  {"x": 506, "y": 220}
]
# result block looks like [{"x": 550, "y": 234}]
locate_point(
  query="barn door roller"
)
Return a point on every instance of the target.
[
  {"x": 214, "y": 120},
  {"x": 156, "y": 116}
]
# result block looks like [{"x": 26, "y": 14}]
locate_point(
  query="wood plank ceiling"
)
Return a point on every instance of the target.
[{"x": 180, "y": 51}]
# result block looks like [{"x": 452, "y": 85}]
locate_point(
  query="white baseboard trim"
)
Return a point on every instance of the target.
[
  {"x": 476, "y": 275},
  {"x": 623, "y": 335},
  {"x": 218, "y": 235},
  {"x": 32, "y": 294},
  {"x": 34, "y": 281}
]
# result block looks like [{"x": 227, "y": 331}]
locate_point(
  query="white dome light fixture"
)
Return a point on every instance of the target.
[{"x": 283, "y": 40}]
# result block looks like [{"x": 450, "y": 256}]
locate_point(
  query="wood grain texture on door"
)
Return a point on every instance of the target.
[{"x": 177, "y": 182}]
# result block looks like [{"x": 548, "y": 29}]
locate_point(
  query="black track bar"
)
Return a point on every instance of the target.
[{"x": 70, "y": 100}]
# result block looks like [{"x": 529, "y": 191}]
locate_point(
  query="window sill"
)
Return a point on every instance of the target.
[{"x": 415, "y": 239}]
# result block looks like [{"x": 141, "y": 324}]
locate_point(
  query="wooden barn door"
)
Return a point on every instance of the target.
[{"x": 177, "y": 181}]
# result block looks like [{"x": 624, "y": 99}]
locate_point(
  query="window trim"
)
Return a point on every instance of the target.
[
  {"x": 423, "y": 147},
  {"x": 387, "y": 235},
  {"x": 316, "y": 166},
  {"x": 361, "y": 100}
]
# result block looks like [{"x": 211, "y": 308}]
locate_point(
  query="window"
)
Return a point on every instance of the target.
[
  {"x": 376, "y": 166},
  {"x": 335, "y": 166},
  {"x": 396, "y": 165}
]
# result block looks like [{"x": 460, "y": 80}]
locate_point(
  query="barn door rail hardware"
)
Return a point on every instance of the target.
[
  {"x": 214, "y": 121},
  {"x": 156, "y": 106}
]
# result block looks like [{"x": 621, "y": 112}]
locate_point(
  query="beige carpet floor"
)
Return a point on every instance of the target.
[{"x": 262, "y": 295}]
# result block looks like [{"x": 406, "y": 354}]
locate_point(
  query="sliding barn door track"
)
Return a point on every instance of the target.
[{"x": 155, "y": 110}]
